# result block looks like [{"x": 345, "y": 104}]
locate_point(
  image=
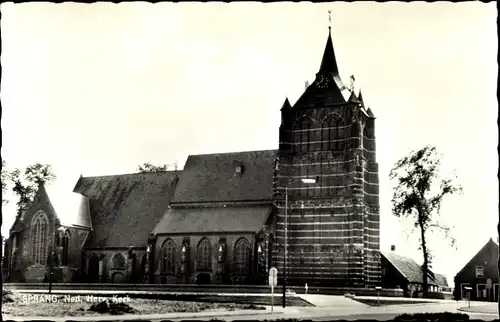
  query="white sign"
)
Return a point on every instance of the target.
[
  {"x": 273, "y": 277},
  {"x": 273, "y": 281}
]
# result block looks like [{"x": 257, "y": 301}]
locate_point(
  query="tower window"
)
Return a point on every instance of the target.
[
  {"x": 302, "y": 134},
  {"x": 332, "y": 133}
]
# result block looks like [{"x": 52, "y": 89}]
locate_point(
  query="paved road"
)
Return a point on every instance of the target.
[
  {"x": 327, "y": 308},
  {"x": 375, "y": 313}
]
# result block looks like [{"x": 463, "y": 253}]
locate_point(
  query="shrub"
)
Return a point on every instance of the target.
[{"x": 7, "y": 296}]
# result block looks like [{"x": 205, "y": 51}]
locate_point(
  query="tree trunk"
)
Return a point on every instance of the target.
[{"x": 426, "y": 261}]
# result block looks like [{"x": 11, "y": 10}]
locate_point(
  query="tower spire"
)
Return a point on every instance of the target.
[{"x": 329, "y": 62}]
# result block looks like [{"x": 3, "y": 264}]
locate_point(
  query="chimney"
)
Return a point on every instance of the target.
[{"x": 393, "y": 248}]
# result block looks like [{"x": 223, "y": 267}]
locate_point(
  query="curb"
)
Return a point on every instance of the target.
[
  {"x": 146, "y": 317},
  {"x": 467, "y": 310}
]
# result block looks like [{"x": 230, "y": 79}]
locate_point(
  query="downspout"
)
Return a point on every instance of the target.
[
  {"x": 83, "y": 263},
  {"x": 151, "y": 258}
]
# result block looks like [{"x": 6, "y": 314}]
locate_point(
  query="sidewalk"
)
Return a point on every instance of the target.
[
  {"x": 165, "y": 316},
  {"x": 119, "y": 292},
  {"x": 487, "y": 308},
  {"x": 404, "y": 299},
  {"x": 332, "y": 301}
]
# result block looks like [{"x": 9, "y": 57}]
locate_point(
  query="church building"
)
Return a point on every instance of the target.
[{"x": 309, "y": 208}]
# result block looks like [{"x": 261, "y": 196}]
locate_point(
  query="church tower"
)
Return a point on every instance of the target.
[{"x": 333, "y": 225}]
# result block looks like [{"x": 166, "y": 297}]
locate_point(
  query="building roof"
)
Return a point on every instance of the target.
[
  {"x": 360, "y": 97},
  {"x": 213, "y": 220},
  {"x": 441, "y": 280},
  {"x": 408, "y": 268},
  {"x": 353, "y": 98},
  {"x": 213, "y": 177},
  {"x": 328, "y": 87},
  {"x": 72, "y": 209},
  {"x": 286, "y": 104},
  {"x": 329, "y": 61},
  {"x": 491, "y": 246},
  {"x": 126, "y": 208}
]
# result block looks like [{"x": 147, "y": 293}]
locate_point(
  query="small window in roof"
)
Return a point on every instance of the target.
[{"x": 238, "y": 169}]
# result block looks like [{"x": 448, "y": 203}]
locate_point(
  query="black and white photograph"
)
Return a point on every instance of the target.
[{"x": 249, "y": 161}]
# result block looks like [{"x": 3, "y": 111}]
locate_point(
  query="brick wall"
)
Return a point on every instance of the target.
[
  {"x": 23, "y": 269},
  {"x": 341, "y": 208},
  {"x": 192, "y": 272}
]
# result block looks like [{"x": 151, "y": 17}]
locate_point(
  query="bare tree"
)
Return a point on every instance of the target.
[{"x": 418, "y": 196}]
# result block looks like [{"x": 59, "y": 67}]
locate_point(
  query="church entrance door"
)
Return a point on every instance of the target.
[{"x": 203, "y": 279}]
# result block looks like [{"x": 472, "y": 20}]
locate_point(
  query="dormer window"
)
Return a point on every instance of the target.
[{"x": 238, "y": 167}]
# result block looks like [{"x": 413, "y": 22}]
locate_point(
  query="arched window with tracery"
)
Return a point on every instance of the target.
[
  {"x": 241, "y": 257},
  {"x": 118, "y": 261},
  {"x": 333, "y": 134},
  {"x": 302, "y": 134},
  {"x": 39, "y": 238},
  {"x": 65, "y": 244},
  {"x": 203, "y": 255},
  {"x": 168, "y": 256}
]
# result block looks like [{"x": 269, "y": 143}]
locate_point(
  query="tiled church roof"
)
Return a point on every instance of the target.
[
  {"x": 213, "y": 220},
  {"x": 213, "y": 177},
  {"x": 126, "y": 208}
]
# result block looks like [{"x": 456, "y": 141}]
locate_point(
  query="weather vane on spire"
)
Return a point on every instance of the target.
[{"x": 330, "y": 19}]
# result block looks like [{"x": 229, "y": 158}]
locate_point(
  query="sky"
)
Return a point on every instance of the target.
[{"x": 97, "y": 89}]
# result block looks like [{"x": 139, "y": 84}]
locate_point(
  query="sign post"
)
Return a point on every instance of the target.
[
  {"x": 468, "y": 289},
  {"x": 273, "y": 281},
  {"x": 489, "y": 285},
  {"x": 378, "y": 288}
]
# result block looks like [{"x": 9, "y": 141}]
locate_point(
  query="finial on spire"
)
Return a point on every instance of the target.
[
  {"x": 351, "y": 86},
  {"x": 330, "y": 20}
]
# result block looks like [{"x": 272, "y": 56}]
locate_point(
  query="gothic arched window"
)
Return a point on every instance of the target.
[
  {"x": 241, "y": 257},
  {"x": 332, "y": 134},
  {"x": 168, "y": 256},
  {"x": 302, "y": 134},
  {"x": 203, "y": 255},
  {"x": 65, "y": 244},
  {"x": 118, "y": 261},
  {"x": 39, "y": 238}
]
